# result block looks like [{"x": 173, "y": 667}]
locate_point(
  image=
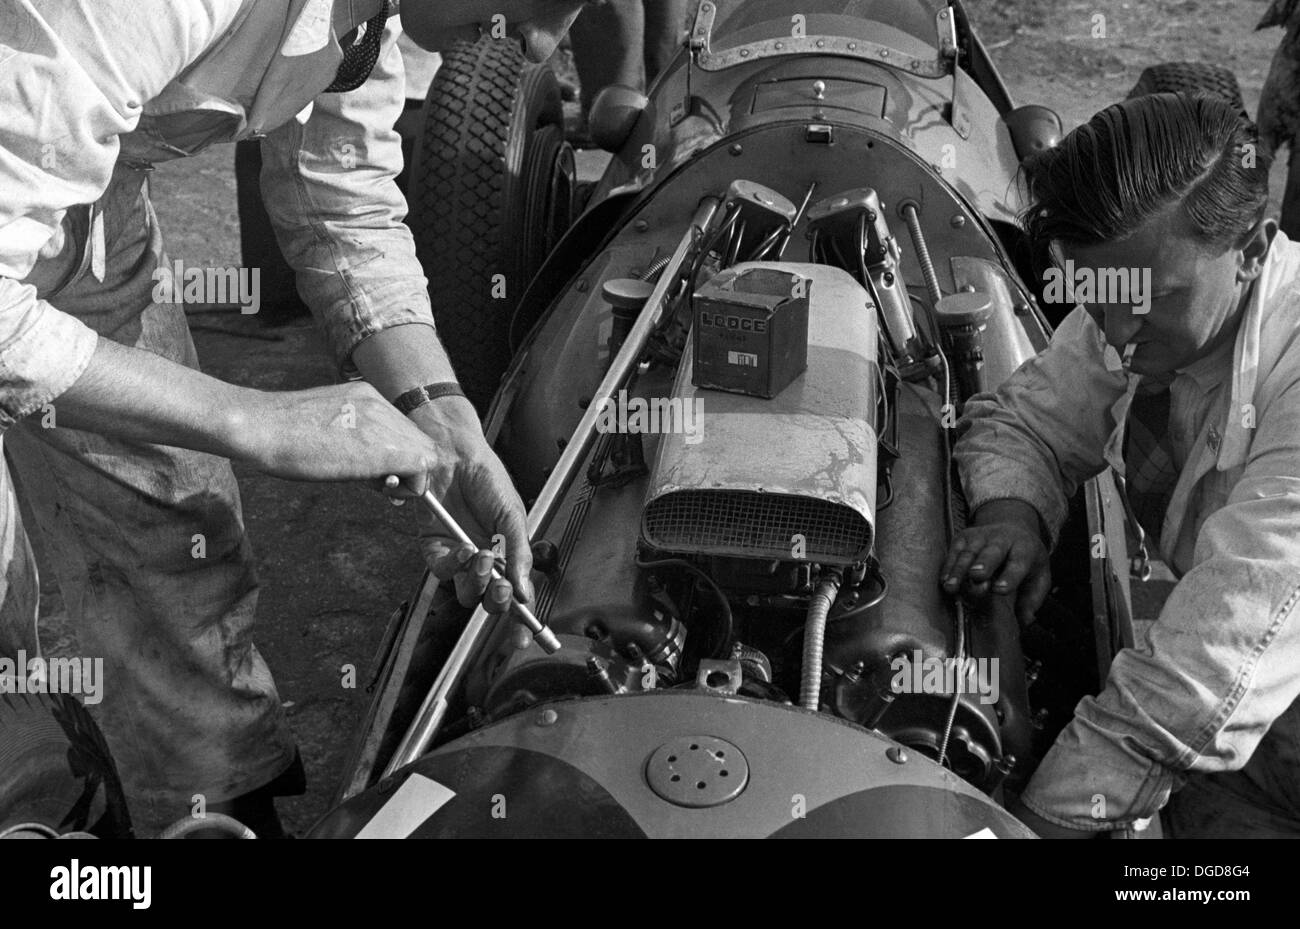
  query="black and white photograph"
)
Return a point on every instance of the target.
[{"x": 621, "y": 419}]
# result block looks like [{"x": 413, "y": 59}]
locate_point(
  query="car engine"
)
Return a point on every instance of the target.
[{"x": 788, "y": 543}]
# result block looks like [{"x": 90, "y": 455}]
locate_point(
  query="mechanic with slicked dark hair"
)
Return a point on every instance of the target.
[
  {"x": 1194, "y": 396},
  {"x": 125, "y": 462}
]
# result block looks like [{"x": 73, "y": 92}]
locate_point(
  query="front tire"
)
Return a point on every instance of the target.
[{"x": 491, "y": 192}]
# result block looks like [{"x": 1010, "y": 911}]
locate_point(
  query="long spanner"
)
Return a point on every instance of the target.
[{"x": 542, "y": 634}]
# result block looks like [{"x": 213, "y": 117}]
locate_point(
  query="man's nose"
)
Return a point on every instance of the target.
[{"x": 1122, "y": 324}]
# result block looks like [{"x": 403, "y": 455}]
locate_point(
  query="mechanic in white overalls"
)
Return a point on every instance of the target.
[
  {"x": 114, "y": 439},
  {"x": 1203, "y": 419}
]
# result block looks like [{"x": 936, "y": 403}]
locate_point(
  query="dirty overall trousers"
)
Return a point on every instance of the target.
[{"x": 148, "y": 542}]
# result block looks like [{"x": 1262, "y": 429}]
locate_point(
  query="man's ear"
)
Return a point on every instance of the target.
[{"x": 1254, "y": 248}]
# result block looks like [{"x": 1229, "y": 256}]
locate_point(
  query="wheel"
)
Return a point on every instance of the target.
[
  {"x": 56, "y": 771},
  {"x": 491, "y": 192},
  {"x": 1190, "y": 77}
]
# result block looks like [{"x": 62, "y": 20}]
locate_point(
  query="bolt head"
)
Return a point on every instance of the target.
[
  {"x": 547, "y": 718},
  {"x": 896, "y": 754},
  {"x": 958, "y": 221}
]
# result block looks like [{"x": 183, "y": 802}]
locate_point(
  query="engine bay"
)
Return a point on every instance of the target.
[{"x": 786, "y": 546}]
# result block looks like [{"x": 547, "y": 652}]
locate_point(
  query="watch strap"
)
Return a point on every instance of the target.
[{"x": 418, "y": 396}]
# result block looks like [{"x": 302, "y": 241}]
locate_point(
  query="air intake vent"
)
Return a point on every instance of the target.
[{"x": 755, "y": 525}]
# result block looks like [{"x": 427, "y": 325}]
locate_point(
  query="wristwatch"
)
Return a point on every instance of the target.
[{"x": 419, "y": 396}]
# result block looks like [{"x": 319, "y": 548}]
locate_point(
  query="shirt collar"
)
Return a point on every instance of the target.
[
  {"x": 1208, "y": 371},
  {"x": 1241, "y": 413}
]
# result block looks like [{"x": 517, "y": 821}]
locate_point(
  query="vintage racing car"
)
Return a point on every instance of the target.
[
  {"x": 727, "y": 393},
  {"x": 725, "y": 380}
]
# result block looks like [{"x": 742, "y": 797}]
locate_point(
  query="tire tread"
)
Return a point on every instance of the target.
[{"x": 456, "y": 195}]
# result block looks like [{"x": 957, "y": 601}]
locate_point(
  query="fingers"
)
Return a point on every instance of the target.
[
  {"x": 498, "y": 596},
  {"x": 1032, "y": 595},
  {"x": 958, "y": 564},
  {"x": 1019, "y": 561},
  {"x": 399, "y": 490},
  {"x": 471, "y": 573},
  {"x": 519, "y": 554},
  {"x": 975, "y": 562},
  {"x": 948, "y": 573},
  {"x": 477, "y": 494},
  {"x": 986, "y": 560},
  {"x": 473, "y": 577},
  {"x": 391, "y": 487},
  {"x": 447, "y": 560}
]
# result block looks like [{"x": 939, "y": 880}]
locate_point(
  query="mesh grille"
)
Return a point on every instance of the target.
[{"x": 738, "y": 522}]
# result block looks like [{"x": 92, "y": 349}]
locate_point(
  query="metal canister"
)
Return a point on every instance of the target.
[{"x": 963, "y": 319}]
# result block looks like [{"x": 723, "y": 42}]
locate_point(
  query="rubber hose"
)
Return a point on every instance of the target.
[
  {"x": 814, "y": 638},
  {"x": 218, "y": 822}
]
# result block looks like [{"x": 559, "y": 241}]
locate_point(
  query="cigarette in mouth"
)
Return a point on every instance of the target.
[{"x": 1127, "y": 358}]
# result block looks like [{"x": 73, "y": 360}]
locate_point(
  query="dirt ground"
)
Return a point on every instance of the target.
[{"x": 336, "y": 560}]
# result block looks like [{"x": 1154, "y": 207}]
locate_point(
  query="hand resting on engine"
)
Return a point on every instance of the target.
[{"x": 1002, "y": 553}]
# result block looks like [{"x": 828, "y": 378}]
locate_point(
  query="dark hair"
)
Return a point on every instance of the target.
[{"x": 1131, "y": 160}]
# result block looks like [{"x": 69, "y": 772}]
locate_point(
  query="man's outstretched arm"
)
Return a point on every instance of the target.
[
  {"x": 1023, "y": 452},
  {"x": 329, "y": 183},
  {"x": 338, "y": 433}
]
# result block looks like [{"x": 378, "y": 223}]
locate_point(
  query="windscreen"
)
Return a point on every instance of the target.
[
  {"x": 749, "y": 20},
  {"x": 903, "y": 33}
]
